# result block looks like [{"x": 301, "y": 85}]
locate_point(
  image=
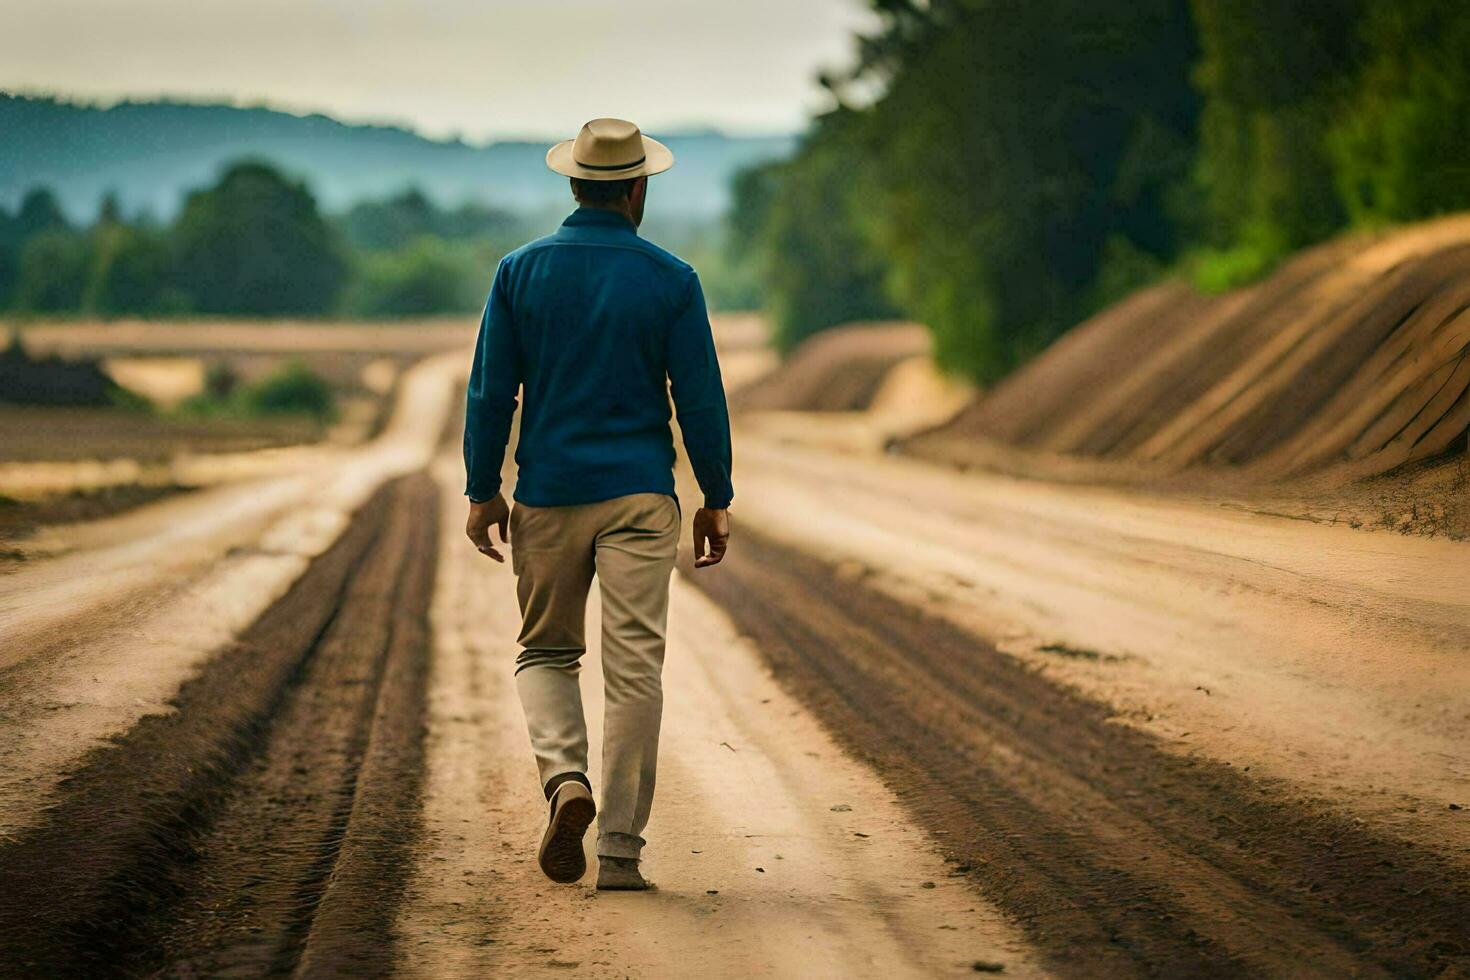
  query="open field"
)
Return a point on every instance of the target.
[
  {"x": 137, "y": 337},
  {"x": 33, "y": 433},
  {"x": 61, "y": 465}
]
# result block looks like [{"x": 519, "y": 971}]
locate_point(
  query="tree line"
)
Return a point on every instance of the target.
[
  {"x": 254, "y": 243},
  {"x": 1000, "y": 169}
]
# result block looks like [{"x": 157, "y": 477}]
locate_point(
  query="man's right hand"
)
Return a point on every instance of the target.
[
  {"x": 711, "y": 536},
  {"x": 482, "y": 515}
]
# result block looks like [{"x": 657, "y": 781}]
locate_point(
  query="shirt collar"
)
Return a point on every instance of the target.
[{"x": 585, "y": 217}]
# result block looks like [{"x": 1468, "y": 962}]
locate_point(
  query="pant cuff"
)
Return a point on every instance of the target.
[
  {"x": 572, "y": 776},
  {"x": 620, "y": 845}
]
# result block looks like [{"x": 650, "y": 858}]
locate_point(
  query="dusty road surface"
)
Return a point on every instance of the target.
[
  {"x": 103, "y": 633},
  {"x": 775, "y": 853},
  {"x": 920, "y": 723},
  {"x": 343, "y": 788},
  {"x": 1164, "y": 736}
]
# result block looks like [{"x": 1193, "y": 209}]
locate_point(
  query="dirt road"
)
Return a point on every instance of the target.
[
  {"x": 1165, "y": 737},
  {"x": 102, "y": 634},
  {"x": 240, "y": 832},
  {"x": 774, "y": 852},
  {"x": 329, "y": 796},
  {"x": 919, "y": 724},
  {"x": 1116, "y": 855},
  {"x": 1330, "y": 658}
]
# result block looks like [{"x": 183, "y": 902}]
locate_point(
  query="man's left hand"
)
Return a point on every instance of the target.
[
  {"x": 711, "y": 536},
  {"x": 482, "y": 515}
]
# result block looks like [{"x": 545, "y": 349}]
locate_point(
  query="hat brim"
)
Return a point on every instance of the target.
[{"x": 656, "y": 159}]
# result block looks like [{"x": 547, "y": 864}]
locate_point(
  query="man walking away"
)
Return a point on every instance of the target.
[{"x": 596, "y": 326}]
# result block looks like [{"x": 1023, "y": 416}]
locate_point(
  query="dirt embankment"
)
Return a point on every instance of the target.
[
  {"x": 1349, "y": 362},
  {"x": 838, "y": 370},
  {"x": 854, "y": 388}
]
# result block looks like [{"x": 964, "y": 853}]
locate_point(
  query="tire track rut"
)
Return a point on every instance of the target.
[
  {"x": 263, "y": 826},
  {"x": 1118, "y": 857}
]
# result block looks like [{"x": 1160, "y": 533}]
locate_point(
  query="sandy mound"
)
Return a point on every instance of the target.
[
  {"x": 912, "y": 396},
  {"x": 838, "y": 370},
  {"x": 1352, "y": 360},
  {"x": 742, "y": 340},
  {"x": 916, "y": 393}
]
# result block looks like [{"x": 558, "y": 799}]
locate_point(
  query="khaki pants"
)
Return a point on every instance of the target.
[{"x": 630, "y": 543}]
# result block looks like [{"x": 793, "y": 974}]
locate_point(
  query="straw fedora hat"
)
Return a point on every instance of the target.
[{"x": 609, "y": 149}]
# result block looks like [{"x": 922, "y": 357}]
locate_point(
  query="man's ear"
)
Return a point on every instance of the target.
[{"x": 637, "y": 197}]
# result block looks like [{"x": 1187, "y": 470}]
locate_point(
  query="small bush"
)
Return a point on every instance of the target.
[
  {"x": 125, "y": 400},
  {"x": 53, "y": 380},
  {"x": 429, "y": 275},
  {"x": 295, "y": 389},
  {"x": 220, "y": 380}
]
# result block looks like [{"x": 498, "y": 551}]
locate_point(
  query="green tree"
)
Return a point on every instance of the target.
[
  {"x": 397, "y": 221},
  {"x": 752, "y": 191},
  {"x": 818, "y": 268},
  {"x": 1273, "y": 73},
  {"x": 220, "y": 381},
  {"x": 392, "y": 223},
  {"x": 1012, "y": 165},
  {"x": 427, "y": 276},
  {"x": 130, "y": 272},
  {"x": 293, "y": 389},
  {"x": 479, "y": 222},
  {"x": 9, "y": 258},
  {"x": 255, "y": 243},
  {"x": 1018, "y": 148},
  {"x": 53, "y": 272},
  {"x": 39, "y": 213},
  {"x": 129, "y": 266},
  {"x": 1400, "y": 143}
]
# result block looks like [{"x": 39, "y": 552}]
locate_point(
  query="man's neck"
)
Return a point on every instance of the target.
[{"x": 623, "y": 208}]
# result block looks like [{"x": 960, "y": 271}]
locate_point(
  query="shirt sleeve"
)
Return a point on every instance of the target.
[
  {"x": 490, "y": 400},
  {"x": 699, "y": 398}
]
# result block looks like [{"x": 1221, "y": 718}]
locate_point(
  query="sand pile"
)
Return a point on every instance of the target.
[
  {"x": 838, "y": 370},
  {"x": 1352, "y": 359}
]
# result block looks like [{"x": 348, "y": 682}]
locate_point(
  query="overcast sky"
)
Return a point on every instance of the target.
[{"x": 481, "y": 68}]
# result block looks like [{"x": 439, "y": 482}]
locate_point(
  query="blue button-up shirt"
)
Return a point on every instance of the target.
[{"x": 596, "y": 325}]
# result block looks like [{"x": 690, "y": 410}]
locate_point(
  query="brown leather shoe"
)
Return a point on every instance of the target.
[
  {"x": 561, "y": 854},
  {"x": 616, "y": 874}
]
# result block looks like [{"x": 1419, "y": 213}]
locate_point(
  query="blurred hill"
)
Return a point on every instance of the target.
[{"x": 150, "y": 153}]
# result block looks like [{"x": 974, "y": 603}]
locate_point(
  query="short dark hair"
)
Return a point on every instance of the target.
[{"x": 601, "y": 191}]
